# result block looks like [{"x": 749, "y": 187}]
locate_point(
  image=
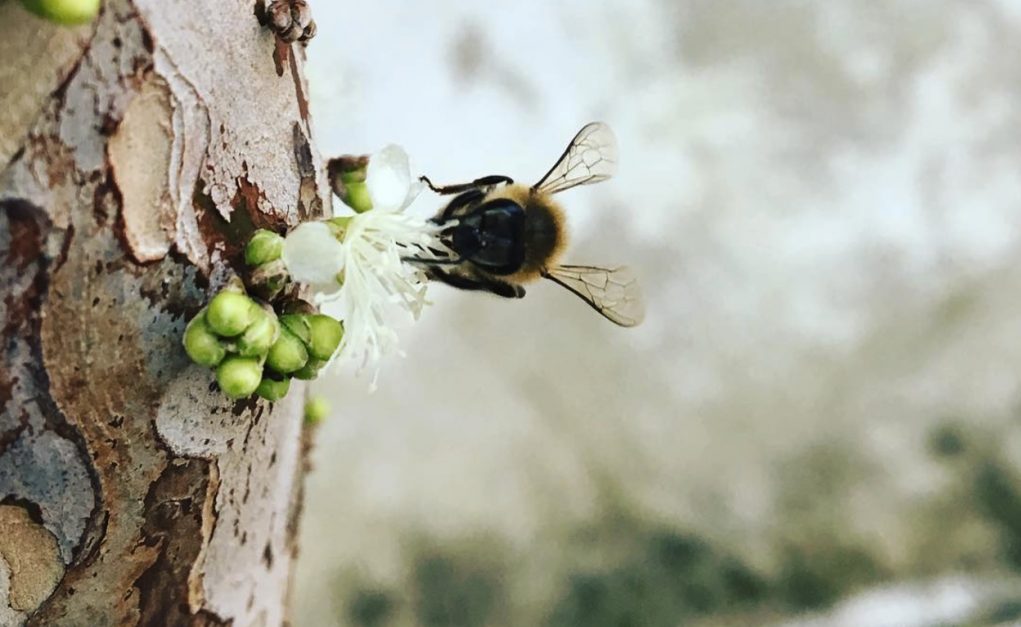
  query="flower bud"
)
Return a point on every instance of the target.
[
  {"x": 264, "y": 247},
  {"x": 239, "y": 377},
  {"x": 326, "y": 334},
  {"x": 347, "y": 178},
  {"x": 357, "y": 197},
  {"x": 230, "y": 313},
  {"x": 201, "y": 344},
  {"x": 310, "y": 370},
  {"x": 317, "y": 409},
  {"x": 287, "y": 354},
  {"x": 273, "y": 390},
  {"x": 269, "y": 279},
  {"x": 298, "y": 324},
  {"x": 68, "y": 12},
  {"x": 260, "y": 335}
]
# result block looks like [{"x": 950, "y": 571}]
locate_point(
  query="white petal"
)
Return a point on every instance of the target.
[
  {"x": 388, "y": 179},
  {"x": 414, "y": 190},
  {"x": 312, "y": 254}
]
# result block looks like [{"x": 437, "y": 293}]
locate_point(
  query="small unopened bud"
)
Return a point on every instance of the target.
[
  {"x": 325, "y": 336},
  {"x": 239, "y": 377},
  {"x": 298, "y": 324},
  {"x": 287, "y": 354},
  {"x": 68, "y": 12},
  {"x": 273, "y": 389},
  {"x": 357, "y": 197},
  {"x": 230, "y": 313},
  {"x": 310, "y": 370},
  {"x": 347, "y": 178},
  {"x": 201, "y": 344},
  {"x": 260, "y": 335},
  {"x": 269, "y": 279},
  {"x": 263, "y": 247},
  {"x": 317, "y": 409}
]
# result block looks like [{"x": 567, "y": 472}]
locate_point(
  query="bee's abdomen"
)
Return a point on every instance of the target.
[{"x": 545, "y": 238}]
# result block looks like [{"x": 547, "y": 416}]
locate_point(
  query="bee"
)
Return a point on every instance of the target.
[{"x": 504, "y": 235}]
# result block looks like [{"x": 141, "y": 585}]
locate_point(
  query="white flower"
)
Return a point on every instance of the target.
[
  {"x": 312, "y": 254},
  {"x": 377, "y": 286}
]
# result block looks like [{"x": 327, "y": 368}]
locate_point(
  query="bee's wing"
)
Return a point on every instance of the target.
[
  {"x": 613, "y": 292},
  {"x": 590, "y": 157}
]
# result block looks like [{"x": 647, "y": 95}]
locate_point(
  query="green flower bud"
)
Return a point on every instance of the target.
[
  {"x": 68, "y": 12},
  {"x": 273, "y": 390},
  {"x": 230, "y": 313},
  {"x": 269, "y": 279},
  {"x": 299, "y": 325},
  {"x": 357, "y": 197},
  {"x": 326, "y": 335},
  {"x": 201, "y": 344},
  {"x": 287, "y": 354},
  {"x": 264, "y": 247},
  {"x": 317, "y": 409},
  {"x": 239, "y": 377},
  {"x": 357, "y": 169},
  {"x": 260, "y": 335},
  {"x": 347, "y": 178},
  {"x": 310, "y": 370}
]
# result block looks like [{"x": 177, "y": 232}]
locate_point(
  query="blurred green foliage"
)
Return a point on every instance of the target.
[
  {"x": 623, "y": 570},
  {"x": 451, "y": 591},
  {"x": 813, "y": 579},
  {"x": 672, "y": 575},
  {"x": 999, "y": 496},
  {"x": 371, "y": 608}
]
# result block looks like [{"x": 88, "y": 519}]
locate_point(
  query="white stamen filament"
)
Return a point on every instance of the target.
[{"x": 378, "y": 283}]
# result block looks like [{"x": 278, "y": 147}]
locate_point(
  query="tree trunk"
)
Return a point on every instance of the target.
[{"x": 136, "y": 155}]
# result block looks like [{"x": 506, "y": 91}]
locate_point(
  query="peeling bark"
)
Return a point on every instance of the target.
[{"x": 136, "y": 155}]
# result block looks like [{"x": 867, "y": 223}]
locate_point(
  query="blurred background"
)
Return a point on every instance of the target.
[{"x": 819, "y": 422}]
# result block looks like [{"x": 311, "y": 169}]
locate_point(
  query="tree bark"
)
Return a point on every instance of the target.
[{"x": 136, "y": 155}]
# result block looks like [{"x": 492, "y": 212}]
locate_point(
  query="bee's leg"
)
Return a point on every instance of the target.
[
  {"x": 500, "y": 288},
  {"x": 485, "y": 181},
  {"x": 507, "y": 290},
  {"x": 462, "y": 201},
  {"x": 437, "y": 262}
]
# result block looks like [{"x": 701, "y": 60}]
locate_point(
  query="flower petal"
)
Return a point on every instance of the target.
[
  {"x": 414, "y": 190},
  {"x": 388, "y": 179},
  {"x": 312, "y": 254}
]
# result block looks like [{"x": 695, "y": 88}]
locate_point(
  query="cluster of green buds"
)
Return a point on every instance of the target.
[{"x": 252, "y": 348}]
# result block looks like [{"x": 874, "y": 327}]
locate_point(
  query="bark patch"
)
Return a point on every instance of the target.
[
  {"x": 38, "y": 56},
  {"x": 143, "y": 140},
  {"x": 32, "y": 557}
]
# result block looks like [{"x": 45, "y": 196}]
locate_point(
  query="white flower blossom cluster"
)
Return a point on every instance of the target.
[{"x": 356, "y": 263}]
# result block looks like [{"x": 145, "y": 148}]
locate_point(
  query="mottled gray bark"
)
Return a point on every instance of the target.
[{"x": 136, "y": 154}]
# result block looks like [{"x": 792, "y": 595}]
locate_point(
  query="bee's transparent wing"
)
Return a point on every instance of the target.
[
  {"x": 590, "y": 157},
  {"x": 613, "y": 292}
]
